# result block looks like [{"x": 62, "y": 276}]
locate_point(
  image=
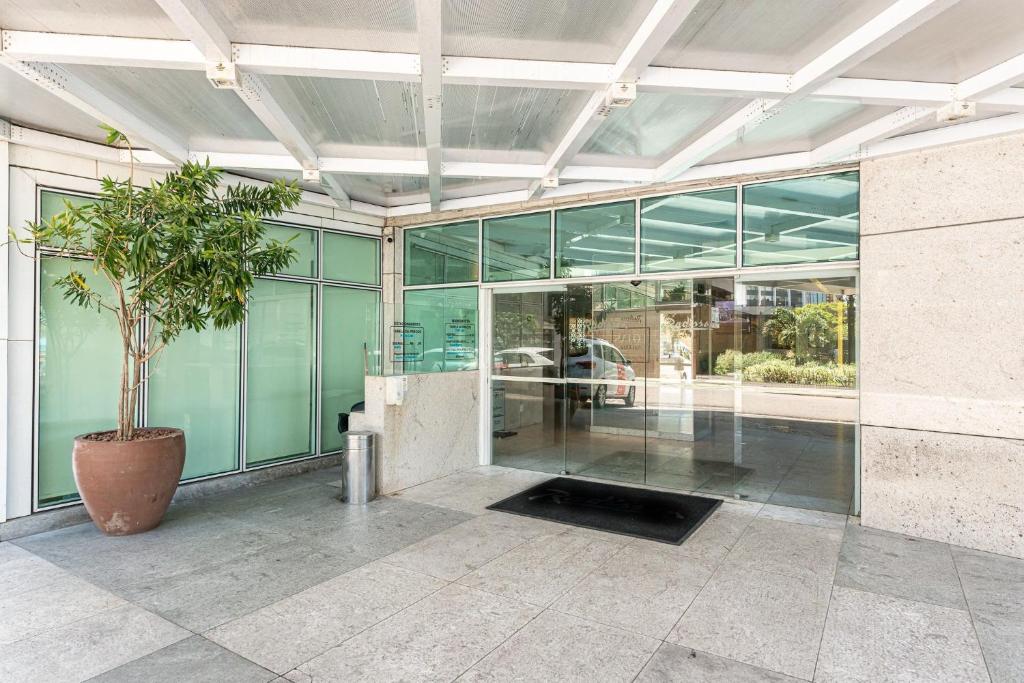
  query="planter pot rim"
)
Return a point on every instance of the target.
[{"x": 175, "y": 433}]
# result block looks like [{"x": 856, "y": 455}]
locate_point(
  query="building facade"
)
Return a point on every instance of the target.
[{"x": 837, "y": 339}]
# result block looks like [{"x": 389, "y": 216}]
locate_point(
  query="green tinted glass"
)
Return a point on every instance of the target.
[
  {"x": 304, "y": 242},
  {"x": 802, "y": 220},
  {"x": 441, "y": 254},
  {"x": 688, "y": 231},
  {"x": 595, "y": 240},
  {"x": 281, "y": 371},
  {"x": 194, "y": 386},
  {"x": 350, "y": 342},
  {"x": 517, "y": 247},
  {"x": 449, "y": 320},
  {"x": 349, "y": 258},
  {"x": 52, "y": 203},
  {"x": 79, "y": 371}
]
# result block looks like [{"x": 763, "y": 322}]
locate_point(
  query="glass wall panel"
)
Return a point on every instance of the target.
[
  {"x": 194, "y": 385},
  {"x": 303, "y": 241},
  {"x": 51, "y": 203},
  {"x": 441, "y": 254},
  {"x": 595, "y": 240},
  {"x": 688, "y": 231},
  {"x": 350, "y": 258},
  {"x": 281, "y": 371},
  {"x": 79, "y": 373},
  {"x": 449, "y": 320},
  {"x": 350, "y": 341},
  {"x": 517, "y": 247},
  {"x": 802, "y": 220}
]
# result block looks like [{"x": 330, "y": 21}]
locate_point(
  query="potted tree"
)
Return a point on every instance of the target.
[{"x": 179, "y": 254}]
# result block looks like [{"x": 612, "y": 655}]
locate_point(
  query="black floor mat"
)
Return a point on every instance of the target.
[{"x": 655, "y": 515}]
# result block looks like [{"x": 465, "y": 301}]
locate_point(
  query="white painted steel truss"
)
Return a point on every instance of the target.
[{"x": 39, "y": 57}]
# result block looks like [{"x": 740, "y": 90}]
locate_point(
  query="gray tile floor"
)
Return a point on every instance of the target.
[{"x": 283, "y": 582}]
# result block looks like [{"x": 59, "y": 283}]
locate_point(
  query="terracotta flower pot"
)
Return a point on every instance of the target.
[{"x": 127, "y": 485}]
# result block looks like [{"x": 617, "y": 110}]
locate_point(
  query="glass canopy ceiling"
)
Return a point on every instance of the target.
[{"x": 408, "y": 106}]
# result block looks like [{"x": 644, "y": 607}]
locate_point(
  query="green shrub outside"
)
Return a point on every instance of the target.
[{"x": 764, "y": 367}]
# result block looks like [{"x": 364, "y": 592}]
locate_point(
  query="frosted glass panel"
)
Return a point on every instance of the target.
[
  {"x": 449, "y": 320},
  {"x": 351, "y": 259},
  {"x": 281, "y": 371},
  {"x": 194, "y": 386},
  {"x": 79, "y": 372},
  {"x": 350, "y": 329},
  {"x": 304, "y": 242}
]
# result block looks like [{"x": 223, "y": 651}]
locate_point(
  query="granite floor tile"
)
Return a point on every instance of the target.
[
  {"x": 22, "y": 571},
  {"x": 87, "y": 647},
  {"x": 294, "y": 630},
  {"x": 994, "y": 586},
  {"x": 673, "y": 663},
  {"x": 715, "y": 537},
  {"x": 640, "y": 589},
  {"x": 436, "y": 639},
  {"x": 541, "y": 570},
  {"x": 65, "y": 600},
  {"x": 796, "y": 549},
  {"x": 767, "y": 619},
  {"x": 176, "y": 547},
  {"x": 872, "y": 637},
  {"x": 375, "y": 536},
  {"x": 210, "y": 596},
  {"x": 559, "y": 647},
  {"x": 900, "y": 566},
  {"x": 455, "y": 552},
  {"x": 195, "y": 660},
  {"x": 472, "y": 491},
  {"x": 829, "y": 520}
]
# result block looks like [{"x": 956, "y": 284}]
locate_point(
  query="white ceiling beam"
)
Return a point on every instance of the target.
[
  {"x": 281, "y": 60},
  {"x": 660, "y": 24},
  {"x": 526, "y": 73},
  {"x": 84, "y": 97},
  {"x": 200, "y": 26},
  {"x": 990, "y": 82},
  {"x": 257, "y": 96},
  {"x": 71, "y": 48},
  {"x": 894, "y": 22},
  {"x": 332, "y": 186},
  {"x": 429, "y": 26}
]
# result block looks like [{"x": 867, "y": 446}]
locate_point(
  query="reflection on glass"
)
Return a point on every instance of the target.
[
  {"x": 796, "y": 332},
  {"x": 638, "y": 383},
  {"x": 688, "y": 231},
  {"x": 281, "y": 371},
  {"x": 79, "y": 367},
  {"x": 351, "y": 258},
  {"x": 517, "y": 247},
  {"x": 194, "y": 385},
  {"x": 349, "y": 328},
  {"x": 595, "y": 240},
  {"x": 302, "y": 240},
  {"x": 528, "y": 425},
  {"x": 441, "y": 254},
  {"x": 449, "y": 319},
  {"x": 526, "y": 333},
  {"x": 802, "y": 220}
]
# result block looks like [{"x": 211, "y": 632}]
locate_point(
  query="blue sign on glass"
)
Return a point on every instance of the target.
[{"x": 406, "y": 342}]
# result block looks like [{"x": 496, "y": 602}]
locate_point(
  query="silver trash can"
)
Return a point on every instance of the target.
[{"x": 359, "y": 468}]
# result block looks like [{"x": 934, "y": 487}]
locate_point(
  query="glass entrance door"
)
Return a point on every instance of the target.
[{"x": 724, "y": 385}]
